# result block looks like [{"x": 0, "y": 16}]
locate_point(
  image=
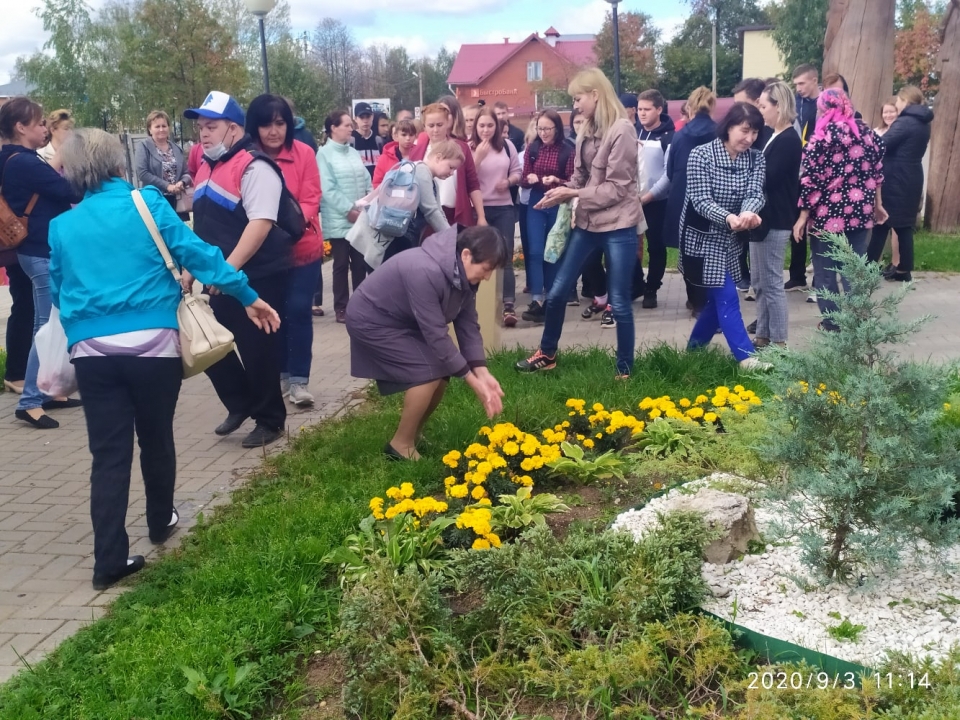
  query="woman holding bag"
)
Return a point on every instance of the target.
[{"x": 118, "y": 305}]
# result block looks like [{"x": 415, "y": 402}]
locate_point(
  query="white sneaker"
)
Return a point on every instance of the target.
[
  {"x": 284, "y": 386},
  {"x": 751, "y": 295},
  {"x": 751, "y": 363},
  {"x": 299, "y": 395},
  {"x": 812, "y": 297}
]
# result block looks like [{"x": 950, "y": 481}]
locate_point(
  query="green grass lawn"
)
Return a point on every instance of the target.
[{"x": 248, "y": 585}]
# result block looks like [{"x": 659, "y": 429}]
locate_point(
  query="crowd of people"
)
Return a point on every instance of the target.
[{"x": 782, "y": 167}]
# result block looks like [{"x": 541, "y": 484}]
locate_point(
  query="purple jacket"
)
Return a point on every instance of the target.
[{"x": 397, "y": 319}]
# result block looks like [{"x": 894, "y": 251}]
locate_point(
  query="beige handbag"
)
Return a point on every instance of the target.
[{"x": 203, "y": 340}]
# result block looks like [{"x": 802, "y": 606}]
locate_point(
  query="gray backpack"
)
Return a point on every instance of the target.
[{"x": 395, "y": 205}]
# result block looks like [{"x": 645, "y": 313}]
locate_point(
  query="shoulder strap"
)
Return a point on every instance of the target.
[
  {"x": 33, "y": 200},
  {"x": 155, "y": 233}
]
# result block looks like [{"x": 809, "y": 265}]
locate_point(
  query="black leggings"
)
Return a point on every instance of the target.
[{"x": 904, "y": 237}]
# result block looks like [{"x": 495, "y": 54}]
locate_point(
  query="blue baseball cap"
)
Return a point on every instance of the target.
[
  {"x": 628, "y": 100},
  {"x": 218, "y": 106}
]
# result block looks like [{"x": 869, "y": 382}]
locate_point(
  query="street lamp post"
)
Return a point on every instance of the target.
[
  {"x": 260, "y": 8},
  {"x": 616, "y": 46},
  {"x": 419, "y": 76}
]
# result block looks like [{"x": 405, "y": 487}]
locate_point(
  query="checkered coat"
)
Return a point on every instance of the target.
[{"x": 716, "y": 187}]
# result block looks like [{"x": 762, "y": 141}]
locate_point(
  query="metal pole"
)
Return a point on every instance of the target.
[
  {"x": 420, "y": 77},
  {"x": 714, "y": 53},
  {"x": 263, "y": 56},
  {"x": 616, "y": 49}
]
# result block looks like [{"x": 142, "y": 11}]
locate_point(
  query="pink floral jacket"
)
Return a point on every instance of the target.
[{"x": 839, "y": 178}]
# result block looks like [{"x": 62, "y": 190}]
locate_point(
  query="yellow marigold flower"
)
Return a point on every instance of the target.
[
  {"x": 700, "y": 400},
  {"x": 485, "y": 468},
  {"x": 722, "y": 390},
  {"x": 458, "y": 491},
  {"x": 646, "y": 403},
  {"x": 695, "y": 413},
  {"x": 478, "y": 492},
  {"x": 493, "y": 539},
  {"x": 738, "y": 388},
  {"x": 946, "y": 406},
  {"x": 376, "y": 502},
  {"x": 684, "y": 403},
  {"x": 484, "y": 501},
  {"x": 599, "y": 436},
  {"x": 510, "y": 448},
  {"x": 755, "y": 401},
  {"x": 719, "y": 400},
  {"x": 525, "y": 480},
  {"x": 597, "y": 407},
  {"x": 449, "y": 480},
  {"x": 406, "y": 489},
  {"x": 565, "y": 424},
  {"x": 496, "y": 462},
  {"x": 588, "y": 444},
  {"x": 710, "y": 417},
  {"x": 479, "y": 478},
  {"x": 483, "y": 431},
  {"x": 481, "y": 544},
  {"x": 527, "y": 464},
  {"x": 394, "y": 493},
  {"x": 654, "y": 414}
]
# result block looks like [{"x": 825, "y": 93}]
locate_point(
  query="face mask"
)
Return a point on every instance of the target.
[{"x": 217, "y": 151}]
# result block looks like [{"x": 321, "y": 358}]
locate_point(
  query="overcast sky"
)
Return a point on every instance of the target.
[{"x": 423, "y": 30}]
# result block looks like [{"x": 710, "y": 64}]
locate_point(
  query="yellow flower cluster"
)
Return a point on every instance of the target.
[
  {"x": 478, "y": 520},
  {"x": 703, "y": 408},
  {"x": 602, "y": 419},
  {"x": 821, "y": 390},
  {"x": 404, "y": 502},
  {"x": 509, "y": 451}
]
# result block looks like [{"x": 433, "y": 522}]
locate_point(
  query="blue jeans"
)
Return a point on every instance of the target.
[
  {"x": 38, "y": 270},
  {"x": 722, "y": 310},
  {"x": 296, "y": 329},
  {"x": 620, "y": 249},
  {"x": 825, "y": 270},
  {"x": 541, "y": 275}
]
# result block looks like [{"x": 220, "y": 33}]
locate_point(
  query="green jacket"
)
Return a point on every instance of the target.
[{"x": 343, "y": 181}]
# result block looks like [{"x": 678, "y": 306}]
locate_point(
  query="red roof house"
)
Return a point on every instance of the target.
[{"x": 519, "y": 73}]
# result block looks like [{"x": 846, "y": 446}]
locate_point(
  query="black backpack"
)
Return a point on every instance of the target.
[{"x": 566, "y": 150}]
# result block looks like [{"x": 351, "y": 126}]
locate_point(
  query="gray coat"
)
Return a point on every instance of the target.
[
  {"x": 150, "y": 165},
  {"x": 397, "y": 319}
]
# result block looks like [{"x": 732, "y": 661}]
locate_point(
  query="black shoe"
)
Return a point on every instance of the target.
[
  {"x": 649, "y": 301},
  {"x": 44, "y": 422},
  {"x": 607, "y": 321},
  {"x": 62, "y": 404},
  {"x": 231, "y": 424},
  {"x": 794, "y": 285},
  {"x": 158, "y": 538},
  {"x": 752, "y": 328},
  {"x": 534, "y": 313},
  {"x": 898, "y": 276},
  {"x": 592, "y": 310},
  {"x": 536, "y": 362},
  {"x": 261, "y": 436},
  {"x": 102, "y": 582},
  {"x": 889, "y": 270},
  {"x": 392, "y": 454}
]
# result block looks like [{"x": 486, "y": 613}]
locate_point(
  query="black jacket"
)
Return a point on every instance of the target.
[
  {"x": 782, "y": 185},
  {"x": 516, "y": 136},
  {"x": 905, "y": 142},
  {"x": 24, "y": 175},
  {"x": 763, "y": 137},
  {"x": 700, "y": 130},
  {"x": 663, "y": 132}
]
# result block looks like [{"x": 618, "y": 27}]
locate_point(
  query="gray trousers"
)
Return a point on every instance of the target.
[
  {"x": 766, "y": 274},
  {"x": 504, "y": 219},
  {"x": 825, "y": 271}
]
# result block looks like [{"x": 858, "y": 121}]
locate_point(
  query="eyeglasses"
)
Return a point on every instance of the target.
[{"x": 546, "y": 129}]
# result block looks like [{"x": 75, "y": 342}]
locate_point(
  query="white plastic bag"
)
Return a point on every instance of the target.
[{"x": 56, "y": 376}]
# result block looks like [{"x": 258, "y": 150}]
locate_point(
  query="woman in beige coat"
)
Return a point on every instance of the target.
[{"x": 607, "y": 211}]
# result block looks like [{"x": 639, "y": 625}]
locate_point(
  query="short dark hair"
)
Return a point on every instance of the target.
[
  {"x": 263, "y": 110},
  {"x": 19, "y": 109},
  {"x": 739, "y": 114},
  {"x": 653, "y": 96},
  {"x": 333, "y": 119},
  {"x": 833, "y": 79},
  {"x": 554, "y": 117},
  {"x": 803, "y": 70},
  {"x": 753, "y": 87},
  {"x": 485, "y": 244},
  {"x": 406, "y": 127},
  {"x": 497, "y": 141},
  {"x": 501, "y": 105}
]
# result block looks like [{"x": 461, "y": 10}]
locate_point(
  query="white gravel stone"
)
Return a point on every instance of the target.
[{"x": 910, "y": 611}]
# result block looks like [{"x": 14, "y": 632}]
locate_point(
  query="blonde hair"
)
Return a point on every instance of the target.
[
  {"x": 447, "y": 150},
  {"x": 701, "y": 100},
  {"x": 892, "y": 102},
  {"x": 782, "y": 97},
  {"x": 154, "y": 116},
  {"x": 58, "y": 118},
  {"x": 531, "y": 133},
  {"x": 608, "y": 110},
  {"x": 912, "y": 95},
  {"x": 90, "y": 158}
]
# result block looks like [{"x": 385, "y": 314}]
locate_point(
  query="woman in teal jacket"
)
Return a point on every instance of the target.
[
  {"x": 118, "y": 305},
  {"x": 343, "y": 180}
]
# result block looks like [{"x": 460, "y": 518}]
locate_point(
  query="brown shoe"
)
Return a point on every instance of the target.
[{"x": 341, "y": 316}]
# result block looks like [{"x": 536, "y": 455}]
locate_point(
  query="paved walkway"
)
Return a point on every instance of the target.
[{"x": 46, "y": 541}]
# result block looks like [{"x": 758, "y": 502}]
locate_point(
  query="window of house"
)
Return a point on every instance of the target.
[{"x": 534, "y": 71}]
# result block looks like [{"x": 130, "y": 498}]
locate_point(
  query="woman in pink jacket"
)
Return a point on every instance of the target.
[{"x": 270, "y": 123}]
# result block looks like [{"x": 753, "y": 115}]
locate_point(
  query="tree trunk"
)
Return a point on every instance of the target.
[
  {"x": 943, "y": 208},
  {"x": 859, "y": 46}
]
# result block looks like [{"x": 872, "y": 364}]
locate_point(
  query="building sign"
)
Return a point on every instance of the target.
[{"x": 477, "y": 92}]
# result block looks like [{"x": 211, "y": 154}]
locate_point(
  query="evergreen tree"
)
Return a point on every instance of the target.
[{"x": 871, "y": 463}]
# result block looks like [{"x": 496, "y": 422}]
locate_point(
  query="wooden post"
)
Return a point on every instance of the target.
[
  {"x": 859, "y": 46},
  {"x": 489, "y": 312},
  {"x": 943, "y": 208}
]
